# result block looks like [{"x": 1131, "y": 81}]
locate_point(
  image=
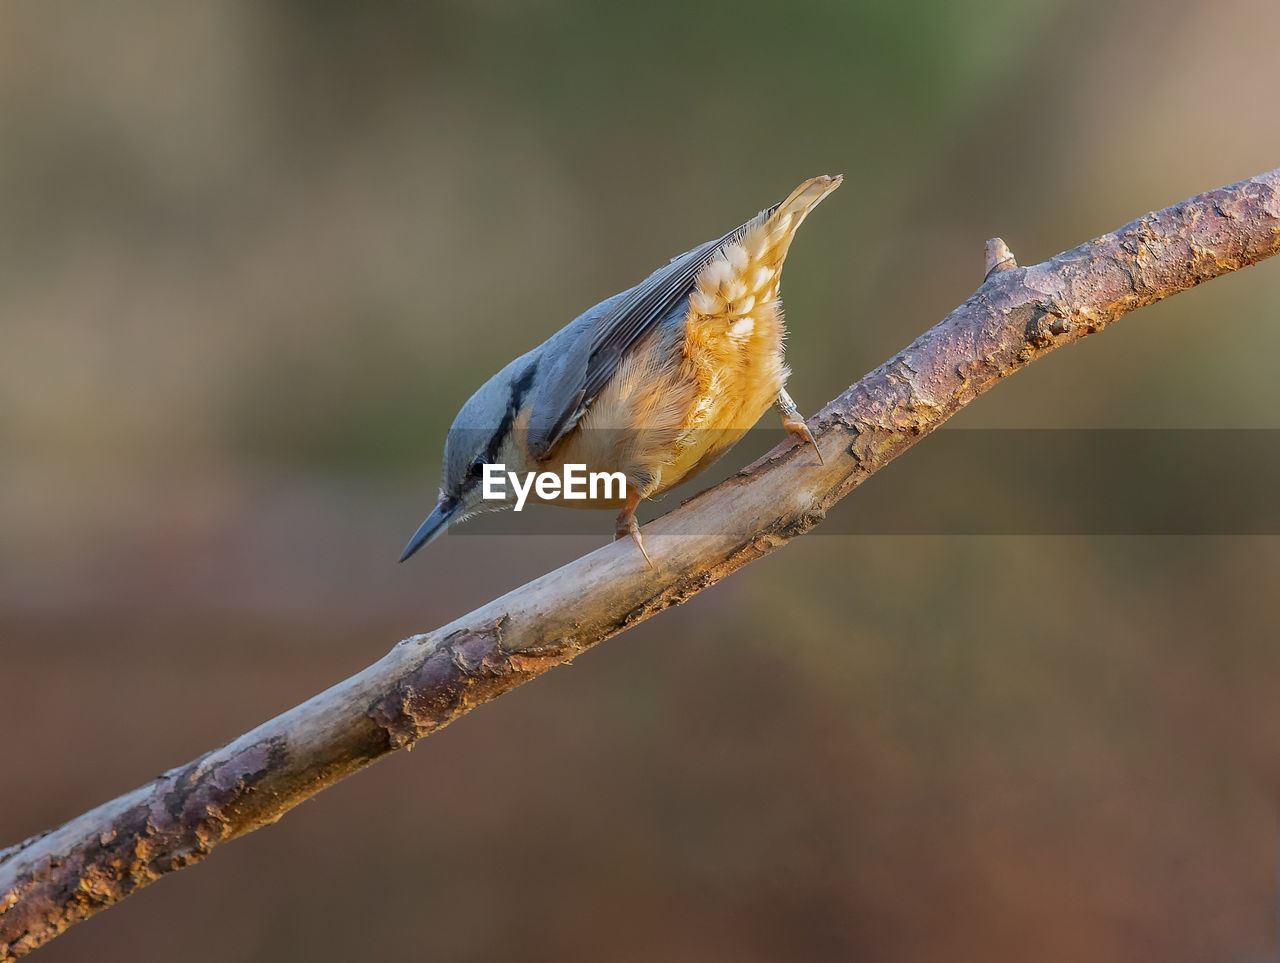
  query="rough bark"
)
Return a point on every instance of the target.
[{"x": 425, "y": 682}]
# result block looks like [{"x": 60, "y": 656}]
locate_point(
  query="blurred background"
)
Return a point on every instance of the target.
[{"x": 253, "y": 256}]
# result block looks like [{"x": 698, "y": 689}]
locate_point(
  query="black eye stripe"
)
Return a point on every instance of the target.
[{"x": 519, "y": 388}]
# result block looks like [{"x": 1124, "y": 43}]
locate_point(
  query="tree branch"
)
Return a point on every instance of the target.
[{"x": 1017, "y": 315}]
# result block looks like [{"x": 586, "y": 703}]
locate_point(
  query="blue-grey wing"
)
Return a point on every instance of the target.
[{"x": 578, "y": 361}]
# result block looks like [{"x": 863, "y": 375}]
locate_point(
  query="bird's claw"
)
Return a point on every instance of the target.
[
  {"x": 795, "y": 425},
  {"x": 629, "y": 526}
]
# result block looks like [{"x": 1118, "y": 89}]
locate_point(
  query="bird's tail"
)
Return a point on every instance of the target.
[
  {"x": 747, "y": 269},
  {"x": 781, "y": 222}
]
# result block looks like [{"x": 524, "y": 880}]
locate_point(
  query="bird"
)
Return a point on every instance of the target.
[{"x": 651, "y": 385}]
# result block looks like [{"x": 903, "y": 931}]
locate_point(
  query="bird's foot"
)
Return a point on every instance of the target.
[
  {"x": 795, "y": 425},
  {"x": 632, "y": 527},
  {"x": 793, "y": 422},
  {"x": 627, "y": 524}
]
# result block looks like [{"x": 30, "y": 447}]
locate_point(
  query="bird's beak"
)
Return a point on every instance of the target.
[{"x": 433, "y": 527}]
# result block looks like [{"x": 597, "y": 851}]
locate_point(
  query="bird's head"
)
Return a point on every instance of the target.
[{"x": 484, "y": 432}]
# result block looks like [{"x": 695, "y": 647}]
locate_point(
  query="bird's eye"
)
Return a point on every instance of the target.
[{"x": 477, "y": 468}]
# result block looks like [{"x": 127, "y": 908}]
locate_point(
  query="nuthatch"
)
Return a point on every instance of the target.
[{"x": 656, "y": 382}]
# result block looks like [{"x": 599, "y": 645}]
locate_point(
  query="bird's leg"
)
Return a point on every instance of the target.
[
  {"x": 627, "y": 524},
  {"x": 793, "y": 421}
]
